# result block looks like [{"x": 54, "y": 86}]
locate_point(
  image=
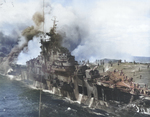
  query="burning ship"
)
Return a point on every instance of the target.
[{"x": 55, "y": 69}]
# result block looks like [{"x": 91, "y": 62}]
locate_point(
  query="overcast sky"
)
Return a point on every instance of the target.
[{"x": 97, "y": 28}]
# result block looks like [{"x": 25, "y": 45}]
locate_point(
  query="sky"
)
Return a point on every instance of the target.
[{"x": 94, "y": 29}]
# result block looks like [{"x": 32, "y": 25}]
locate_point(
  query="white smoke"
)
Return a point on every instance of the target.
[
  {"x": 93, "y": 29},
  {"x": 105, "y": 29},
  {"x": 32, "y": 52}
]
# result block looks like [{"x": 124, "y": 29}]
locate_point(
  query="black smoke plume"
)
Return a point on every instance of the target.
[
  {"x": 38, "y": 19},
  {"x": 27, "y": 35}
]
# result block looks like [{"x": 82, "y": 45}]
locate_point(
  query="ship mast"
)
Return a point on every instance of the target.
[
  {"x": 54, "y": 24},
  {"x": 41, "y": 77}
]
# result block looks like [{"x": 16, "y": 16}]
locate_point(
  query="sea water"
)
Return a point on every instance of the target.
[{"x": 18, "y": 99}]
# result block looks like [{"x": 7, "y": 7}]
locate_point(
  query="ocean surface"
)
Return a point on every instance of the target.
[
  {"x": 141, "y": 59},
  {"x": 19, "y": 100}
]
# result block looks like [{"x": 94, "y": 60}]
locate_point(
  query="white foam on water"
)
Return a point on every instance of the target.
[
  {"x": 68, "y": 108},
  {"x": 18, "y": 78},
  {"x": 98, "y": 113},
  {"x": 147, "y": 98},
  {"x": 48, "y": 91},
  {"x": 141, "y": 110},
  {"x": 147, "y": 111},
  {"x": 91, "y": 102},
  {"x": 79, "y": 98},
  {"x": 53, "y": 90},
  {"x": 33, "y": 87},
  {"x": 68, "y": 99},
  {"x": 10, "y": 77},
  {"x": 9, "y": 70},
  {"x": 59, "y": 92},
  {"x": 44, "y": 90}
]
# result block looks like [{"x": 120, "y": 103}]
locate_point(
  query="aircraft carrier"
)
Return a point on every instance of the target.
[{"x": 56, "y": 70}]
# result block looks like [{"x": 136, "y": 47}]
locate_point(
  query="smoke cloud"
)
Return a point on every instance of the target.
[
  {"x": 90, "y": 30},
  {"x": 38, "y": 19},
  {"x": 26, "y": 36},
  {"x": 104, "y": 29},
  {"x": 7, "y": 43},
  {"x": 30, "y": 32},
  {"x": 73, "y": 36}
]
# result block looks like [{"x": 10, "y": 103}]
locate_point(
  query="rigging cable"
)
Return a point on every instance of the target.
[{"x": 41, "y": 77}]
